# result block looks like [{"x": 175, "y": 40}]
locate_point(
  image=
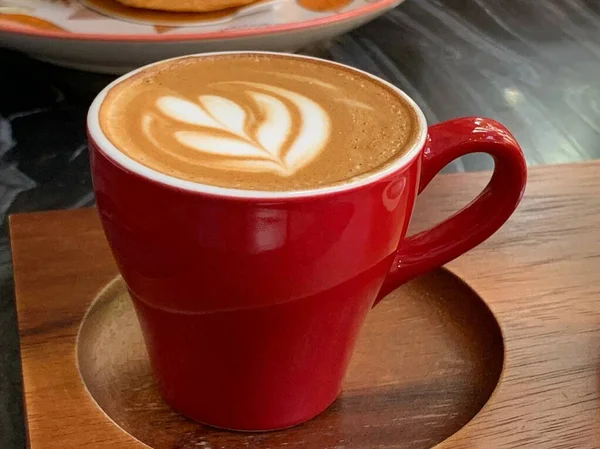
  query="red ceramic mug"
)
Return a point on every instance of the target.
[{"x": 251, "y": 302}]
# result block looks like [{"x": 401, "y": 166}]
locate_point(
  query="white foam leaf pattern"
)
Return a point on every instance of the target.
[
  {"x": 185, "y": 111},
  {"x": 275, "y": 129},
  {"x": 228, "y": 113},
  {"x": 209, "y": 143},
  {"x": 283, "y": 142},
  {"x": 314, "y": 127}
]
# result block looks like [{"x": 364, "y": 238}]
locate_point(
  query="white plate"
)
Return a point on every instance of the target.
[{"x": 103, "y": 36}]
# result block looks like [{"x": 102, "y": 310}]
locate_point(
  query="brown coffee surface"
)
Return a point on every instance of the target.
[{"x": 258, "y": 122}]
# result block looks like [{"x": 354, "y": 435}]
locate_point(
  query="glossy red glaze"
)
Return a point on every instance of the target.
[{"x": 250, "y": 308}]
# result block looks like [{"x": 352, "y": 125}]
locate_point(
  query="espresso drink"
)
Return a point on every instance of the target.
[{"x": 258, "y": 121}]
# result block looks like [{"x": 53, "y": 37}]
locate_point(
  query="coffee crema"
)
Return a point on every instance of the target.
[{"x": 258, "y": 121}]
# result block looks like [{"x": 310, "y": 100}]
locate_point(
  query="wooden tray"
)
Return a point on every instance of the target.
[{"x": 428, "y": 359}]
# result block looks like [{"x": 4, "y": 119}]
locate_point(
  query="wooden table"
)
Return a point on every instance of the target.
[{"x": 539, "y": 275}]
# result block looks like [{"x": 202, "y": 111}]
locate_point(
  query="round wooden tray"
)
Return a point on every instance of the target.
[{"x": 428, "y": 359}]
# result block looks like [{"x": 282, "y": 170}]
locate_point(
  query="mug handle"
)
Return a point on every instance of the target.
[{"x": 478, "y": 220}]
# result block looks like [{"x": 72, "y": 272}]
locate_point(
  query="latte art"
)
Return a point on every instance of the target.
[
  {"x": 258, "y": 122},
  {"x": 269, "y": 141}
]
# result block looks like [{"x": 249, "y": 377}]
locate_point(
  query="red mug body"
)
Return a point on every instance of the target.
[{"x": 251, "y": 302}]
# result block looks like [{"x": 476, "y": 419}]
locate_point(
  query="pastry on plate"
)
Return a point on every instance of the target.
[{"x": 186, "y": 5}]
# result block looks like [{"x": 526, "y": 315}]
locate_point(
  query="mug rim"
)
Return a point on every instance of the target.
[{"x": 108, "y": 149}]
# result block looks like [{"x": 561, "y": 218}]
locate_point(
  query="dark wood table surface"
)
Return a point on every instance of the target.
[{"x": 532, "y": 64}]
